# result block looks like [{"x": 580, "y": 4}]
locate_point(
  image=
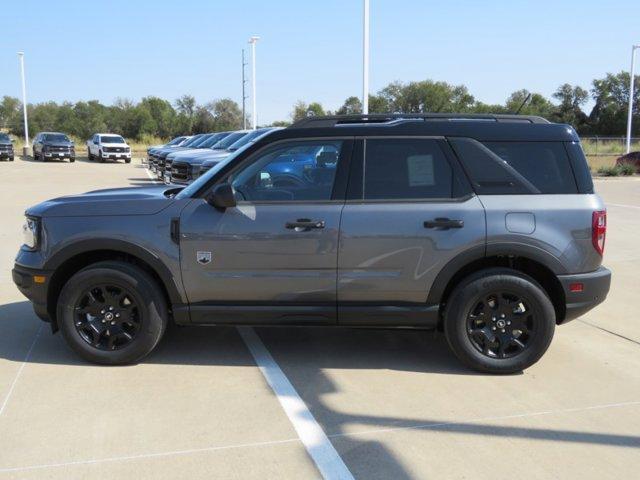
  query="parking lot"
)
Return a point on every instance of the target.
[{"x": 393, "y": 404}]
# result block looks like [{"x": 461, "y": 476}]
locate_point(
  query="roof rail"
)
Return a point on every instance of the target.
[{"x": 382, "y": 118}]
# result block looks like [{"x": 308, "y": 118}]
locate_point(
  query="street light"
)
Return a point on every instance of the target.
[
  {"x": 254, "y": 115},
  {"x": 630, "y": 113},
  {"x": 365, "y": 59},
  {"x": 25, "y": 149}
]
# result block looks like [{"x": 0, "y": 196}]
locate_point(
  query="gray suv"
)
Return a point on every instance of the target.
[{"x": 485, "y": 227}]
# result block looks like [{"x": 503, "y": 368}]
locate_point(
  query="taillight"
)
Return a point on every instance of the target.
[{"x": 599, "y": 230}]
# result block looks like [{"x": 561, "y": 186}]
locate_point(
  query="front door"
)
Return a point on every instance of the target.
[{"x": 273, "y": 257}]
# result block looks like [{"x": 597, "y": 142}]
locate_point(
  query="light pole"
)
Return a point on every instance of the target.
[
  {"x": 25, "y": 149},
  {"x": 254, "y": 114},
  {"x": 365, "y": 59},
  {"x": 244, "y": 95},
  {"x": 630, "y": 113}
]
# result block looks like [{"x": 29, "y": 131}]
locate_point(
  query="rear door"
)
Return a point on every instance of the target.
[
  {"x": 273, "y": 257},
  {"x": 409, "y": 211}
]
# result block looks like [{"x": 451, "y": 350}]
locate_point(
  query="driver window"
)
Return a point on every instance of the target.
[{"x": 292, "y": 171}]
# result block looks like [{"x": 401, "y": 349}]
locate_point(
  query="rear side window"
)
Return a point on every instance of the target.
[
  {"x": 400, "y": 168},
  {"x": 516, "y": 167},
  {"x": 545, "y": 164}
]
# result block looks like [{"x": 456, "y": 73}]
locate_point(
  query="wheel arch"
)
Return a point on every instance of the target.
[
  {"x": 69, "y": 260},
  {"x": 537, "y": 263}
]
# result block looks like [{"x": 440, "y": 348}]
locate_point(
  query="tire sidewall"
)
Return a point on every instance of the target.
[
  {"x": 151, "y": 305},
  {"x": 465, "y": 297}
]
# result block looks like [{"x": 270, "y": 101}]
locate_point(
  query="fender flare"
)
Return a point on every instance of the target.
[
  {"x": 147, "y": 256},
  {"x": 480, "y": 252}
]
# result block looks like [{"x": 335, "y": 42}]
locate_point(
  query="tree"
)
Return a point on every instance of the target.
[
  {"x": 9, "y": 111},
  {"x": 611, "y": 94},
  {"x": 186, "y": 105},
  {"x": 537, "y": 104},
  {"x": 427, "y": 96},
  {"x": 303, "y": 110},
  {"x": 570, "y": 109},
  {"x": 351, "y": 106},
  {"x": 226, "y": 113}
]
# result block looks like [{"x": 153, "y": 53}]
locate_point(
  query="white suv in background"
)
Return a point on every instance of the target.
[{"x": 108, "y": 146}]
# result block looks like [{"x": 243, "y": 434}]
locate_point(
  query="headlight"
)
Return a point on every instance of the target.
[{"x": 30, "y": 232}]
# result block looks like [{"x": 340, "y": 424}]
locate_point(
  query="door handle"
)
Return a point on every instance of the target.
[
  {"x": 443, "y": 223},
  {"x": 304, "y": 224}
]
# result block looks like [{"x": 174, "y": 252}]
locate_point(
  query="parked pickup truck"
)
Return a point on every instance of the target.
[
  {"x": 53, "y": 145},
  {"x": 6, "y": 147},
  {"x": 108, "y": 146}
]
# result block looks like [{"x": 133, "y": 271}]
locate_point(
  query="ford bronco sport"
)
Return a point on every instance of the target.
[{"x": 485, "y": 227}]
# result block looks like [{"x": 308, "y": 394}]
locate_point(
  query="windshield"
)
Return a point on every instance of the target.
[
  {"x": 56, "y": 137},
  {"x": 111, "y": 139},
  {"x": 212, "y": 140},
  {"x": 228, "y": 140},
  {"x": 200, "y": 181},
  {"x": 249, "y": 138},
  {"x": 4, "y": 137},
  {"x": 175, "y": 140},
  {"x": 191, "y": 141},
  {"x": 201, "y": 140}
]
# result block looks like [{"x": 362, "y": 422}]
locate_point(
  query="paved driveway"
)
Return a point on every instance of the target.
[{"x": 307, "y": 402}]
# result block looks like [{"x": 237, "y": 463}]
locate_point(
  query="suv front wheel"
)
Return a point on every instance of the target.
[
  {"x": 112, "y": 313},
  {"x": 499, "y": 321}
]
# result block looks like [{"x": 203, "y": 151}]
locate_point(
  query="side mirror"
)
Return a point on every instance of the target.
[{"x": 221, "y": 196}]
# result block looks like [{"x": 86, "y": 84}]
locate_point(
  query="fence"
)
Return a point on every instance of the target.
[{"x": 608, "y": 146}]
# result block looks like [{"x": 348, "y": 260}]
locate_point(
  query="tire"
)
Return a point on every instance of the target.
[
  {"x": 485, "y": 339},
  {"x": 100, "y": 157},
  {"x": 12, "y": 159},
  {"x": 144, "y": 319},
  {"x": 89, "y": 156},
  {"x": 127, "y": 160},
  {"x": 72, "y": 160}
]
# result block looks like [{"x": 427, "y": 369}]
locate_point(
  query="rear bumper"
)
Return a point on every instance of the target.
[
  {"x": 595, "y": 287},
  {"x": 23, "y": 277}
]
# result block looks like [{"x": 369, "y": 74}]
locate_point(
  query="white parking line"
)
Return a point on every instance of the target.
[
  {"x": 621, "y": 205},
  {"x": 151, "y": 176},
  {"x": 309, "y": 430},
  {"x": 24, "y": 362}
]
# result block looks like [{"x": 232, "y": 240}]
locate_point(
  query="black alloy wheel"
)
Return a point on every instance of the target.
[
  {"x": 499, "y": 320},
  {"x": 501, "y": 324},
  {"x": 107, "y": 317}
]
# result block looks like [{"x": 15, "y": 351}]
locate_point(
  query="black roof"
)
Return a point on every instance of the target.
[{"x": 483, "y": 127}]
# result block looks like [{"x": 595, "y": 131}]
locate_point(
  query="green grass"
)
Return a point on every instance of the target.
[
  {"x": 607, "y": 147},
  {"x": 617, "y": 170}
]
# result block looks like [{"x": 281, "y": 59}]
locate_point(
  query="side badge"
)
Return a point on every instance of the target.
[{"x": 203, "y": 257}]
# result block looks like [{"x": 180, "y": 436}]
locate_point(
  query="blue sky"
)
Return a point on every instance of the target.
[{"x": 310, "y": 50}]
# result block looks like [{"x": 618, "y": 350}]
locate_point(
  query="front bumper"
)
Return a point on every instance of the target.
[
  {"x": 60, "y": 155},
  {"x": 116, "y": 155},
  {"x": 25, "y": 280},
  {"x": 595, "y": 287},
  {"x": 6, "y": 154}
]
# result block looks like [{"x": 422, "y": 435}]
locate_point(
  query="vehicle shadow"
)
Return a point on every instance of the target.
[
  {"x": 305, "y": 354},
  {"x": 49, "y": 160},
  {"x": 85, "y": 159}
]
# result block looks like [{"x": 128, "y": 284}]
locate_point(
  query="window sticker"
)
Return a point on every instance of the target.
[{"x": 420, "y": 169}]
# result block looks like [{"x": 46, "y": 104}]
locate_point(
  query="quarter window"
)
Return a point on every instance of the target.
[
  {"x": 398, "y": 168},
  {"x": 296, "y": 171}
]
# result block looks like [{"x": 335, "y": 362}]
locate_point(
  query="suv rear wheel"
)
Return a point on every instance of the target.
[
  {"x": 112, "y": 313},
  {"x": 499, "y": 321}
]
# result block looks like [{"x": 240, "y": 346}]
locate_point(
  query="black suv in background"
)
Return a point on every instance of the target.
[
  {"x": 50, "y": 145},
  {"x": 6, "y": 147}
]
